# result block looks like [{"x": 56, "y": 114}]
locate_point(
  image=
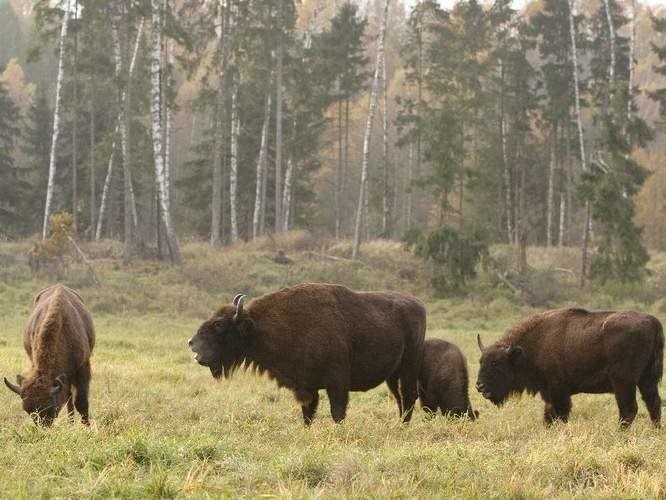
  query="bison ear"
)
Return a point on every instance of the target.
[
  {"x": 515, "y": 353},
  {"x": 59, "y": 385}
]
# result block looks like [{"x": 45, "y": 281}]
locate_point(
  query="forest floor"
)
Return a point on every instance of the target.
[{"x": 162, "y": 427}]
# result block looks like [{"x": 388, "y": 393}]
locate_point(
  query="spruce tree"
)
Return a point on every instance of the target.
[{"x": 10, "y": 215}]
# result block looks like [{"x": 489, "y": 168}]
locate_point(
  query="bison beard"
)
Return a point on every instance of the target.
[
  {"x": 320, "y": 336},
  {"x": 570, "y": 351}
]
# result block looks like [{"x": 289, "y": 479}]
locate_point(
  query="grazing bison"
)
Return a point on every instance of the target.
[
  {"x": 570, "y": 351},
  {"x": 58, "y": 339},
  {"x": 320, "y": 336},
  {"x": 443, "y": 380}
]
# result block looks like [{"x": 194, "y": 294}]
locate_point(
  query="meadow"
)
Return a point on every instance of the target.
[{"x": 163, "y": 428}]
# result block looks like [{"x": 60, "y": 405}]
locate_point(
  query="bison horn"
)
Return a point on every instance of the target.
[
  {"x": 239, "y": 307},
  {"x": 236, "y": 299},
  {"x": 478, "y": 341},
  {"x": 13, "y": 387}
]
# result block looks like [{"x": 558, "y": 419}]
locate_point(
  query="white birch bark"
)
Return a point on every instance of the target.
[
  {"x": 109, "y": 169},
  {"x": 386, "y": 206},
  {"x": 368, "y": 130},
  {"x": 410, "y": 175},
  {"x": 56, "y": 121},
  {"x": 563, "y": 209},
  {"x": 261, "y": 165},
  {"x": 156, "y": 121},
  {"x": 550, "y": 201},
  {"x": 286, "y": 197},
  {"x": 632, "y": 53},
  {"x": 278, "y": 127},
  {"x": 506, "y": 174},
  {"x": 611, "y": 37},
  {"x": 233, "y": 176}
]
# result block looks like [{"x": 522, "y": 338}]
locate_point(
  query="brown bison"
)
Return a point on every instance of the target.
[
  {"x": 443, "y": 380},
  {"x": 58, "y": 339},
  {"x": 320, "y": 336},
  {"x": 570, "y": 351}
]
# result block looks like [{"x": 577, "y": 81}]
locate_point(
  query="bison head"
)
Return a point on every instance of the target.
[
  {"x": 497, "y": 371},
  {"x": 42, "y": 399},
  {"x": 220, "y": 342}
]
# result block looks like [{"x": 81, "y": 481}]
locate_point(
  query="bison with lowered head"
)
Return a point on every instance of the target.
[
  {"x": 58, "y": 338},
  {"x": 570, "y": 351},
  {"x": 443, "y": 381},
  {"x": 320, "y": 336}
]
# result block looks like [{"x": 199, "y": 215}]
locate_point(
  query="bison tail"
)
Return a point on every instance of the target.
[{"x": 655, "y": 369}]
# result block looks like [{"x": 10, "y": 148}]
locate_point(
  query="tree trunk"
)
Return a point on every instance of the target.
[
  {"x": 75, "y": 124},
  {"x": 368, "y": 130},
  {"x": 109, "y": 170},
  {"x": 91, "y": 111},
  {"x": 338, "y": 170},
  {"x": 278, "y": 128},
  {"x": 220, "y": 140},
  {"x": 581, "y": 142},
  {"x": 56, "y": 121},
  {"x": 611, "y": 66},
  {"x": 286, "y": 198},
  {"x": 410, "y": 176},
  {"x": 563, "y": 209},
  {"x": 386, "y": 199},
  {"x": 155, "y": 112},
  {"x": 632, "y": 54},
  {"x": 551, "y": 189},
  {"x": 261, "y": 164},
  {"x": 506, "y": 173},
  {"x": 233, "y": 175}
]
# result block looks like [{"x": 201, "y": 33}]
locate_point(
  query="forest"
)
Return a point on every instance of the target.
[{"x": 449, "y": 128}]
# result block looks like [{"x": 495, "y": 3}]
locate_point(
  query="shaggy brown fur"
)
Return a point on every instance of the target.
[
  {"x": 58, "y": 338},
  {"x": 320, "y": 336},
  {"x": 443, "y": 380},
  {"x": 570, "y": 351}
]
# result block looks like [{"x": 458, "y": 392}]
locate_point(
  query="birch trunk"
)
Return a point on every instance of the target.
[
  {"x": 155, "y": 112},
  {"x": 581, "y": 143},
  {"x": 56, "y": 121},
  {"x": 75, "y": 109},
  {"x": 109, "y": 169},
  {"x": 286, "y": 198},
  {"x": 386, "y": 202},
  {"x": 91, "y": 111},
  {"x": 508, "y": 197},
  {"x": 410, "y": 175},
  {"x": 338, "y": 169},
  {"x": 368, "y": 130},
  {"x": 550, "y": 201},
  {"x": 261, "y": 164},
  {"x": 278, "y": 128},
  {"x": 233, "y": 176},
  {"x": 611, "y": 38},
  {"x": 563, "y": 210},
  {"x": 632, "y": 54},
  {"x": 219, "y": 152}
]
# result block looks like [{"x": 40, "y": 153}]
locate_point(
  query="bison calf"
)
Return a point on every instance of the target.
[
  {"x": 320, "y": 336},
  {"x": 443, "y": 380},
  {"x": 58, "y": 338},
  {"x": 570, "y": 351}
]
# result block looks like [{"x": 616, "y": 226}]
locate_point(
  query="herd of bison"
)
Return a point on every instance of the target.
[{"x": 322, "y": 336}]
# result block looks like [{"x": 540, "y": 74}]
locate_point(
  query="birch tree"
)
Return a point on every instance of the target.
[
  {"x": 278, "y": 124},
  {"x": 233, "y": 175},
  {"x": 386, "y": 201},
  {"x": 161, "y": 179},
  {"x": 632, "y": 54},
  {"x": 261, "y": 166},
  {"x": 56, "y": 119},
  {"x": 368, "y": 131}
]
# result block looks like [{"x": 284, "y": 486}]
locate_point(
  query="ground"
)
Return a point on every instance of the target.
[{"x": 162, "y": 427}]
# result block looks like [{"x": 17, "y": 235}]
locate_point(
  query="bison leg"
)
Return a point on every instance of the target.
[
  {"x": 70, "y": 406},
  {"x": 338, "y": 397},
  {"x": 309, "y": 409},
  {"x": 394, "y": 385},
  {"x": 409, "y": 371},
  {"x": 650, "y": 394},
  {"x": 82, "y": 383},
  {"x": 557, "y": 407},
  {"x": 625, "y": 396}
]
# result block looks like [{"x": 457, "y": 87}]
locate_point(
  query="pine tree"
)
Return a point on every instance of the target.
[{"x": 10, "y": 191}]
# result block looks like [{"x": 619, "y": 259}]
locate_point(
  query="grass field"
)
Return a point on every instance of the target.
[{"x": 162, "y": 427}]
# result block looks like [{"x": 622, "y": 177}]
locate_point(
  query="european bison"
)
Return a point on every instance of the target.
[
  {"x": 320, "y": 336},
  {"x": 58, "y": 338},
  {"x": 443, "y": 380},
  {"x": 570, "y": 351}
]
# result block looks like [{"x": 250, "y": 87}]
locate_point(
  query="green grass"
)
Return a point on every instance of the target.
[{"x": 163, "y": 428}]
